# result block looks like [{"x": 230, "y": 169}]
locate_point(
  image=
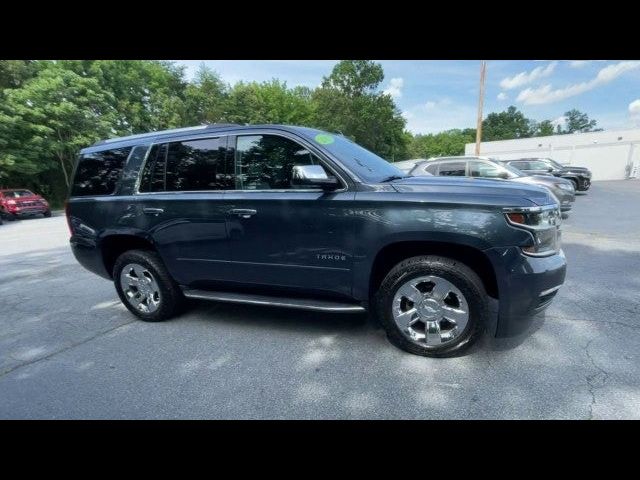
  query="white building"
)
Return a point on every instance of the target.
[{"x": 610, "y": 155}]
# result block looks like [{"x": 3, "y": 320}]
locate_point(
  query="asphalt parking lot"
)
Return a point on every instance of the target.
[{"x": 69, "y": 349}]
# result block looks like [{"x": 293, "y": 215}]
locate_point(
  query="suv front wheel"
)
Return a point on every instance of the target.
[
  {"x": 145, "y": 287},
  {"x": 432, "y": 306}
]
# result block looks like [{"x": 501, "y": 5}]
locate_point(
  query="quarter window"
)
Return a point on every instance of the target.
[
  {"x": 265, "y": 162},
  {"x": 432, "y": 169},
  {"x": 98, "y": 173}
]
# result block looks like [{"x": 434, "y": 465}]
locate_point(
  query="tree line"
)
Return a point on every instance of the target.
[{"x": 49, "y": 110}]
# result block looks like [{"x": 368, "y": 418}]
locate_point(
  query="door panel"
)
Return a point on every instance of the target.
[
  {"x": 183, "y": 207},
  {"x": 295, "y": 239}
]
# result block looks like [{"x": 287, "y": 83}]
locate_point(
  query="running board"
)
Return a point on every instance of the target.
[{"x": 248, "y": 298}]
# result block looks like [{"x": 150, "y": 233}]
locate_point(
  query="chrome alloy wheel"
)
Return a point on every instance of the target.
[
  {"x": 430, "y": 310},
  {"x": 140, "y": 288}
]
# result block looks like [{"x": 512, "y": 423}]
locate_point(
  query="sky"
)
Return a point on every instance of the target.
[{"x": 437, "y": 95}]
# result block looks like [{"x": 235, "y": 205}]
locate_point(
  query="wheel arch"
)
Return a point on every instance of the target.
[
  {"x": 115, "y": 244},
  {"x": 393, "y": 253}
]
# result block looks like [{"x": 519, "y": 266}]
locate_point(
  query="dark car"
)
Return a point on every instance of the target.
[
  {"x": 482, "y": 167},
  {"x": 19, "y": 202},
  {"x": 296, "y": 217},
  {"x": 579, "y": 176}
]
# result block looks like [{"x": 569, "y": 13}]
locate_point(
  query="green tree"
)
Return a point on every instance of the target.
[
  {"x": 544, "y": 128},
  {"x": 13, "y": 73},
  {"x": 268, "y": 102},
  {"x": 147, "y": 95},
  {"x": 44, "y": 123},
  {"x": 576, "y": 121},
  {"x": 348, "y": 101},
  {"x": 206, "y": 98},
  {"x": 507, "y": 125},
  {"x": 450, "y": 142}
]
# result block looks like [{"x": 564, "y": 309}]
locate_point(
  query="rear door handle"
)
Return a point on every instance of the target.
[
  {"x": 243, "y": 212},
  {"x": 153, "y": 211}
]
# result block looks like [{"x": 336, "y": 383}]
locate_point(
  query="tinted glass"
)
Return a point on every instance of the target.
[
  {"x": 452, "y": 169},
  {"x": 365, "y": 164},
  {"x": 98, "y": 173},
  {"x": 538, "y": 165},
  {"x": 520, "y": 165},
  {"x": 432, "y": 169},
  {"x": 17, "y": 193},
  {"x": 153, "y": 173},
  {"x": 489, "y": 170},
  {"x": 266, "y": 162},
  {"x": 199, "y": 165}
]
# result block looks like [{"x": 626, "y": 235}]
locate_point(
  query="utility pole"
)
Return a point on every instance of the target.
[{"x": 483, "y": 71}]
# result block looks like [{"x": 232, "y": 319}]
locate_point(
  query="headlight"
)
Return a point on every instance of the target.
[
  {"x": 543, "y": 223},
  {"x": 565, "y": 186},
  {"x": 11, "y": 202}
]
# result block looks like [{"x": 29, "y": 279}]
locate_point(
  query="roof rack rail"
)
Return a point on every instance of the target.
[{"x": 165, "y": 132}]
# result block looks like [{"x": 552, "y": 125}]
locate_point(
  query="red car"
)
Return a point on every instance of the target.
[{"x": 19, "y": 202}]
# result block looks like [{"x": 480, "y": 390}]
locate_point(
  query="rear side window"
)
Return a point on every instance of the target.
[
  {"x": 455, "y": 169},
  {"x": 520, "y": 165},
  {"x": 190, "y": 165},
  {"x": 432, "y": 168},
  {"x": 199, "y": 165},
  {"x": 98, "y": 173}
]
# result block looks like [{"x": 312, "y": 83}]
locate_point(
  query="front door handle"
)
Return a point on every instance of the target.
[
  {"x": 243, "y": 212},
  {"x": 153, "y": 211}
]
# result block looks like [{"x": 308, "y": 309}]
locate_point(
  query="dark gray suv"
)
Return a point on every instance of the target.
[{"x": 296, "y": 217}]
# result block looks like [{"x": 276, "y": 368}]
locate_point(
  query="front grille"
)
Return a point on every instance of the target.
[{"x": 29, "y": 204}]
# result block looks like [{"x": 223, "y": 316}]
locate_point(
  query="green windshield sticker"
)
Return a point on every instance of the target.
[{"x": 324, "y": 139}]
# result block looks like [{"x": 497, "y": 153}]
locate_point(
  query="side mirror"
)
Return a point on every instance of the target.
[
  {"x": 504, "y": 175},
  {"x": 313, "y": 176},
  {"x": 550, "y": 169}
]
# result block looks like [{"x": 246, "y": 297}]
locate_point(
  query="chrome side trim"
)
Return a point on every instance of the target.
[
  {"x": 550, "y": 290},
  {"x": 248, "y": 298}
]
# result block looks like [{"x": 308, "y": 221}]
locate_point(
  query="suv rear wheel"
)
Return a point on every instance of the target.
[
  {"x": 145, "y": 287},
  {"x": 432, "y": 306}
]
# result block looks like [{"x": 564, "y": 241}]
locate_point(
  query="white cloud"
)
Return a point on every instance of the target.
[
  {"x": 433, "y": 104},
  {"x": 634, "y": 112},
  {"x": 579, "y": 63},
  {"x": 502, "y": 96},
  {"x": 559, "y": 121},
  {"x": 545, "y": 94},
  {"x": 524, "y": 78},
  {"x": 430, "y": 105},
  {"x": 395, "y": 87}
]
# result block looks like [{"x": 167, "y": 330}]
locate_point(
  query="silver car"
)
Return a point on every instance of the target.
[{"x": 483, "y": 167}]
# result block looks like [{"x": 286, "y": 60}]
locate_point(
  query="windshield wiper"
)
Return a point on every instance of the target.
[{"x": 394, "y": 177}]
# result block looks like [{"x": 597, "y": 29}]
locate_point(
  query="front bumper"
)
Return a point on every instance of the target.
[
  {"x": 28, "y": 211},
  {"x": 526, "y": 285}
]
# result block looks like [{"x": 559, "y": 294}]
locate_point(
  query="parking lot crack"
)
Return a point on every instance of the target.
[
  {"x": 6, "y": 371},
  {"x": 594, "y": 380}
]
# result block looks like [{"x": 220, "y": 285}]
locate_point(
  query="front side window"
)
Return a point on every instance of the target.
[
  {"x": 265, "y": 162},
  {"x": 452, "y": 169},
  {"x": 520, "y": 165},
  {"x": 98, "y": 173},
  {"x": 488, "y": 170},
  {"x": 538, "y": 165}
]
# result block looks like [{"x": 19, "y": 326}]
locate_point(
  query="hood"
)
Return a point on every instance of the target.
[
  {"x": 498, "y": 191},
  {"x": 570, "y": 169},
  {"x": 546, "y": 180}
]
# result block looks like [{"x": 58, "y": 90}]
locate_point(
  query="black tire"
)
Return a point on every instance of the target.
[
  {"x": 576, "y": 185},
  {"x": 47, "y": 214},
  {"x": 460, "y": 275},
  {"x": 11, "y": 217},
  {"x": 172, "y": 299}
]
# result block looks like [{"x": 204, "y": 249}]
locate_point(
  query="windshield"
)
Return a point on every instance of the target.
[
  {"x": 365, "y": 164},
  {"x": 513, "y": 171},
  {"x": 17, "y": 193},
  {"x": 554, "y": 163}
]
